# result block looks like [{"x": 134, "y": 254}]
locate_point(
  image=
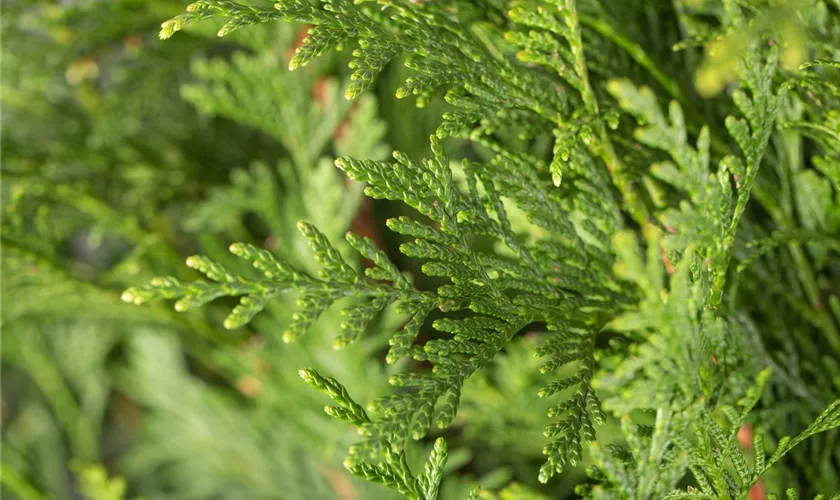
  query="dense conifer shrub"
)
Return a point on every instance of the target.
[{"x": 602, "y": 263}]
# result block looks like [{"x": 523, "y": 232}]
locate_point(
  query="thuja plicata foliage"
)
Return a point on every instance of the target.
[{"x": 661, "y": 207}]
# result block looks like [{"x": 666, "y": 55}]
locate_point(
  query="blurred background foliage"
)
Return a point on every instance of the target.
[{"x": 122, "y": 156}]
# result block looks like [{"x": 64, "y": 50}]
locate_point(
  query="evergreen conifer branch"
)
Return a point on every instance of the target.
[
  {"x": 503, "y": 296},
  {"x": 392, "y": 472},
  {"x": 560, "y": 19},
  {"x": 648, "y": 468},
  {"x": 666, "y": 272},
  {"x": 712, "y": 196},
  {"x": 531, "y": 228}
]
